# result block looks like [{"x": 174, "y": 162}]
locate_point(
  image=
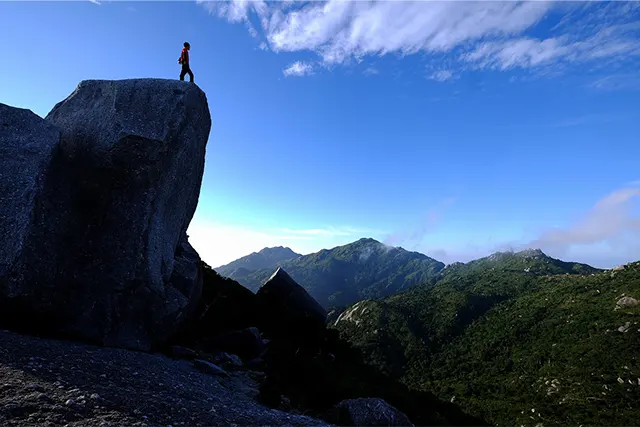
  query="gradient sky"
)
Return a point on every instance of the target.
[{"x": 451, "y": 128}]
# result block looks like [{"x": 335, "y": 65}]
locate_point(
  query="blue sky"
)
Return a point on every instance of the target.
[{"x": 451, "y": 128}]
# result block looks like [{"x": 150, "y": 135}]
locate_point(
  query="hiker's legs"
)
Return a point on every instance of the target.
[{"x": 186, "y": 70}]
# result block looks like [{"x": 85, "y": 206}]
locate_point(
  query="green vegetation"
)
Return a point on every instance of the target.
[
  {"x": 515, "y": 347},
  {"x": 346, "y": 274}
]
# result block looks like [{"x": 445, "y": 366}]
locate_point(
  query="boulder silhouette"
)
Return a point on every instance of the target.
[
  {"x": 286, "y": 301},
  {"x": 106, "y": 257},
  {"x": 288, "y": 314}
]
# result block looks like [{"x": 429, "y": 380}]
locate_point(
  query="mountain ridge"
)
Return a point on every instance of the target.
[
  {"x": 345, "y": 274},
  {"x": 525, "y": 261},
  {"x": 269, "y": 257},
  {"x": 337, "y": 276}
]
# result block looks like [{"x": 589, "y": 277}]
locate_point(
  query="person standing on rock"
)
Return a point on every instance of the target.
[{"x": 184, "y": 60}]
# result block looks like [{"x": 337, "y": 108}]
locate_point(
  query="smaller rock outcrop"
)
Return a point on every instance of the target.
[
  {"x": 626, "y": 302},
  {"x": 287, "y": 307},
  {"x": 367, "y": 412}
]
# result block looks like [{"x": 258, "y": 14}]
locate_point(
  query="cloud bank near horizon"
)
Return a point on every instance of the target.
[{"x": 606, "y": 235}]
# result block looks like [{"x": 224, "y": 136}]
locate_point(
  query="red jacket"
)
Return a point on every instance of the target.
[{"x": 184, "y": 57}]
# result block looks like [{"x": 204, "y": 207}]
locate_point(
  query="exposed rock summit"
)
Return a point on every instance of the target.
[{"x": 96, "y": 201}]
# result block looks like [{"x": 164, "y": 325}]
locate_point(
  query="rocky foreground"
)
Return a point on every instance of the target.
[{"x": 54, "y": 383}]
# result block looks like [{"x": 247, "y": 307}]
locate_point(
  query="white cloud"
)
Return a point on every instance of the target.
[
  {"x": 480, "y": 34},
  {"x": 607, "y": 44},
  {"x": 339, "y": 30},
  {"x": 606, "y": 235},
  {"x": 234, "y": 11},
  {"x": 612, "y": 221},
  {"x": 298, "y": 68}
]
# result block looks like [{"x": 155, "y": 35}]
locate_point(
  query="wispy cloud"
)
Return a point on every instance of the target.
[
  {"x": 480, "y": 35},
  {"x": 591, "y": 119},
  {"x": 442, "y": 75},
  {"x": 298, "y": 69},
  {"x": 607, "y": 44},
  {"x": 412, "y": 236},
  {"x": 371, "y": 71},
  {"x": 614, "y": 82}
]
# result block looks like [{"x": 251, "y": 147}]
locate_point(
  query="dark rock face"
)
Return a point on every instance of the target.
[
  {"x": 367, "y": 412},
  {"x": 246, "y": 343},
  {"x": 27, "y": 144},
  {"x": 183, "y": 353},
  {"x": 107, "y": 257},
  {"x": 209, "y": 368},
  {"x": 187, "y": 277},
  {"x": 282, "y": 295},
  {"x": 226, "y": 360},
  {"x": 289, "y": 313},
  {"x": 225, "y": 306}
]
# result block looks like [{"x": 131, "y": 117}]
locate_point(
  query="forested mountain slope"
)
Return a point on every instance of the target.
[{"x": 514, "y": 346}]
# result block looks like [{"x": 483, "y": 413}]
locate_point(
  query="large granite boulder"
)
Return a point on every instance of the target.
[
  {"x": 27, "y": 144},
  {"x": 107, "y": 257}
]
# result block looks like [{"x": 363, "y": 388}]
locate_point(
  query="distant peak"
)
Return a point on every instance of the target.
[
  {"x": 275, "y": 248},
  {"x": 524, "y": 253},
  {"x": 532, "y": 252},
  {"x": 368, "y": 240},
  {"x": 278, "y": 251}
]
